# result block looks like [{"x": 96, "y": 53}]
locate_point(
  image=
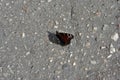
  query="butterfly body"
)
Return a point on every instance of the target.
[{"x": 64, "y": 38}]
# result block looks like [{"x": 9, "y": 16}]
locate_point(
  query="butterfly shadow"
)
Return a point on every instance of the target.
[{"x": 53, "y": 38}]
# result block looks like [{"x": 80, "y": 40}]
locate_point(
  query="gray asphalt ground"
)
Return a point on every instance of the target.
[{"x": 26, "y": 53}]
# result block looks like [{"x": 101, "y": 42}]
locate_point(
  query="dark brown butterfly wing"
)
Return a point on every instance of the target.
[{"x": 64, "y": 38}]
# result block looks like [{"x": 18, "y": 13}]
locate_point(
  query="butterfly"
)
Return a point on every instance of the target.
[{"x": 64, "y": 38}]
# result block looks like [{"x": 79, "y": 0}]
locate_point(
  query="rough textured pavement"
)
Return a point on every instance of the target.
[{"x": 26, "y": 53}]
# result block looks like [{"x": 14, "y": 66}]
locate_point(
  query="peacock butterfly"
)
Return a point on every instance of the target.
[{"x": 64, "y": 38}]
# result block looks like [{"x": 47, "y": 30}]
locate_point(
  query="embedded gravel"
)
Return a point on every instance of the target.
[{"x": 27, "y": 53}]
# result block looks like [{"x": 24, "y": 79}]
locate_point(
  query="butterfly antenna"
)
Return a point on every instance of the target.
[{"x": 57, "y": 32}]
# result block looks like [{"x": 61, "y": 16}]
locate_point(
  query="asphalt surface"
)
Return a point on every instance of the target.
[{"x": 28, "y": 53}]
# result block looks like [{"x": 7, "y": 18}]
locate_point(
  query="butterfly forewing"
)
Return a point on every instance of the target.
[{"x": 64, "y": 38}]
